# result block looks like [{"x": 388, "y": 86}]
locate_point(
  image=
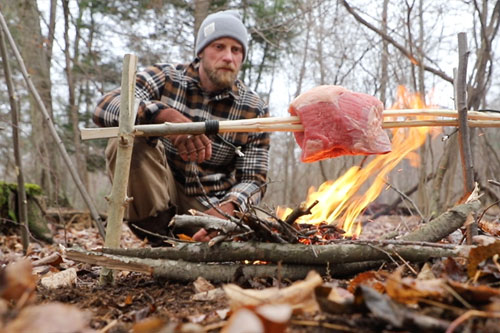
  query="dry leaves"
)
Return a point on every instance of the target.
[
  {"x": 272, "y": 318},
  {"x": 60, "y": 279},
  {"x": 299, "y": 295},
  {"x": 49, "y": 318},
  {"x": 479, "y": 254},
  {"x": 269, "y": 310},
  {"x": 17, "y": 282},
  {"x": 410, "y": 290}
]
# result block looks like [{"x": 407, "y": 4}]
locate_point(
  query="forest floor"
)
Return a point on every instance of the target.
[{"x": 141, "y": 303}]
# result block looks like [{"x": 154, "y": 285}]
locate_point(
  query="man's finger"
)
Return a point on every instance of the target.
[
  {"x": 191, "y": 151},
  {"x": 208, "y": 146},
  {"x": 199, "y": 148},
  {"x": 201, "y": 236}
]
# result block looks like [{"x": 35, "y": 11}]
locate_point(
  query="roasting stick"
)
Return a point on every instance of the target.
[
  {"x": 439, "y": 123},
  {"x": 282, "y": 124},
  {"x": 475, "y": 115},
  {"x": 292, "y": 124}
]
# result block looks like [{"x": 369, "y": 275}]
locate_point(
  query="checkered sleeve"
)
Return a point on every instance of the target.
[
  {"x": 148, "y": 89},
  {"x": 251, "y": 173}
]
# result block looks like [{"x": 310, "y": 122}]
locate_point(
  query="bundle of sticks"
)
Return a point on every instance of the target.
[{"x": 392, "y": 119}]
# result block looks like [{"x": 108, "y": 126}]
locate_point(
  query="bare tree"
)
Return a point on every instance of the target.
[
  {"x": 72, "y": 108},
  {"x": 36, "y": 50}
]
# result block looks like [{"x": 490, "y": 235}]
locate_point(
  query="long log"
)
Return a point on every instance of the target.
[
  {"x": 217, "y": 272},
  {"x": 444, "y": 224},
  {"x": 290, "y": 253}
]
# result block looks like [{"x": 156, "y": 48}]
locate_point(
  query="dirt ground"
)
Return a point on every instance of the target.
[{"x": 140, "y": 303}]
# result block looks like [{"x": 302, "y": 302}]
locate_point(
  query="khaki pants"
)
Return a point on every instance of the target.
[{"x": 151, "y": 183}]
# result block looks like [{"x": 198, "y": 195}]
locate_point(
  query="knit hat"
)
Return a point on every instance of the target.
[{"x": 225, "y": 23}]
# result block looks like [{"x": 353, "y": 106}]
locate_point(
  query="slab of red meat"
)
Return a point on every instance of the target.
[{"x": 338, "y": 122}]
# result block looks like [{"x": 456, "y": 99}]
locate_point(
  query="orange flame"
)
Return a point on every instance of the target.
[{"x": 340, "y": 201}]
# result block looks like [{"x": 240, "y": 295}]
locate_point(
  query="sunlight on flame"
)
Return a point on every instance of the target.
[{"x": 340, "y": 201}]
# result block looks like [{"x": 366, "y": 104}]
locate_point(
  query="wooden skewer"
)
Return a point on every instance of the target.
[
  {"x": 292, "y": 124},
  {"x": 438, "y": 123},
  {"x": 475, "y": 115}
]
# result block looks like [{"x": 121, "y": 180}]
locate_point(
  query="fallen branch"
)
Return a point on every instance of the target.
[
  {"x": 206, "y": 222},
  {"x": 444, "y": 224},
  {"x": 289, "y": 253},
  {"x": 301, "y": 210},
  {"x": 188, "y": 271},
  {"x": 217, "y": 272},
  {"x": 262, "y": 228}
]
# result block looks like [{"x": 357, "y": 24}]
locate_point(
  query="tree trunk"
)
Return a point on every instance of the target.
[
  {"x": 22, "y": 203},
  {"x": 446, "y": 166},
  {"x": 72, "y": 109},
  {"x": 36, "y": 51},
  {"x": 424, "y": 150},
  {"x": 384, "y": 58},
  {"x": 201, "y": 8}
]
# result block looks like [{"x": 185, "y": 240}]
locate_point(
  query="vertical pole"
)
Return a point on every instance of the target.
[
  {"x": 464, "y": 136},
  {"x": 22, "y": 203},
  {"x": 118, "y": 199}
]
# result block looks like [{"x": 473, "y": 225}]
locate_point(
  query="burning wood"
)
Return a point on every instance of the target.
[
  {"x": 340, "y": 201},
  {"x": 187, "y": 261}
]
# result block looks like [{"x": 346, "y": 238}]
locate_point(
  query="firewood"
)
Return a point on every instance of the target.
[
  {"x": 206, "y": 222},
  {"x": 227, "y": 260},
  {"x": 345, "y": 252},
  {"x": 248, "y": 224},
  {"x": 444, "y": 224},
  {"x": 301, "y": 210},
  {"x": 187, "y": 271}
]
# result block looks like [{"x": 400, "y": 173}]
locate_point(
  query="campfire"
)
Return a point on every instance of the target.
[
  {"x": 320, "y": 234},
  {"x": 340, "y": 201}
]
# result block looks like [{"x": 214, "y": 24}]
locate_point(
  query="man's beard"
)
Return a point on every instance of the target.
[{"x": 222, "y": 79}]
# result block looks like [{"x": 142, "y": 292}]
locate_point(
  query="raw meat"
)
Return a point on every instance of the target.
[{"x": 338, "y": 122}]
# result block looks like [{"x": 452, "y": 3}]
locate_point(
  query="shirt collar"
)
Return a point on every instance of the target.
[{"x": 192, "y": 72}]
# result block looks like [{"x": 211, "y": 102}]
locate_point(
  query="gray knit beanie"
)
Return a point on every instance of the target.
[{"x": 226, "y": 23}]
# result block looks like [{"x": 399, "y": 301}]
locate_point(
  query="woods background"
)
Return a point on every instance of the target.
[{"x": 74, "y": 51}]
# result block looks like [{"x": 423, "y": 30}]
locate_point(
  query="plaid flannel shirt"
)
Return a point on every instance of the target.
[{"x": 226, "y": 176}]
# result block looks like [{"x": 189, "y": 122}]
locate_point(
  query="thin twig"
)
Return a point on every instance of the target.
[
  {"x": 494, "y": 182},
  {"x": 407, "y": 198}
]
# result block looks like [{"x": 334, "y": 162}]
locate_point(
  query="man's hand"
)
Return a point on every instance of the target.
[
  {"x": 192, "y": 148},
  {"x": 227, "y": 207},
  {"x": 203, "y": 235}
]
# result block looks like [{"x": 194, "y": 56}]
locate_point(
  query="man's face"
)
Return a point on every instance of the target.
[{"x": 220, "y": 63}]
